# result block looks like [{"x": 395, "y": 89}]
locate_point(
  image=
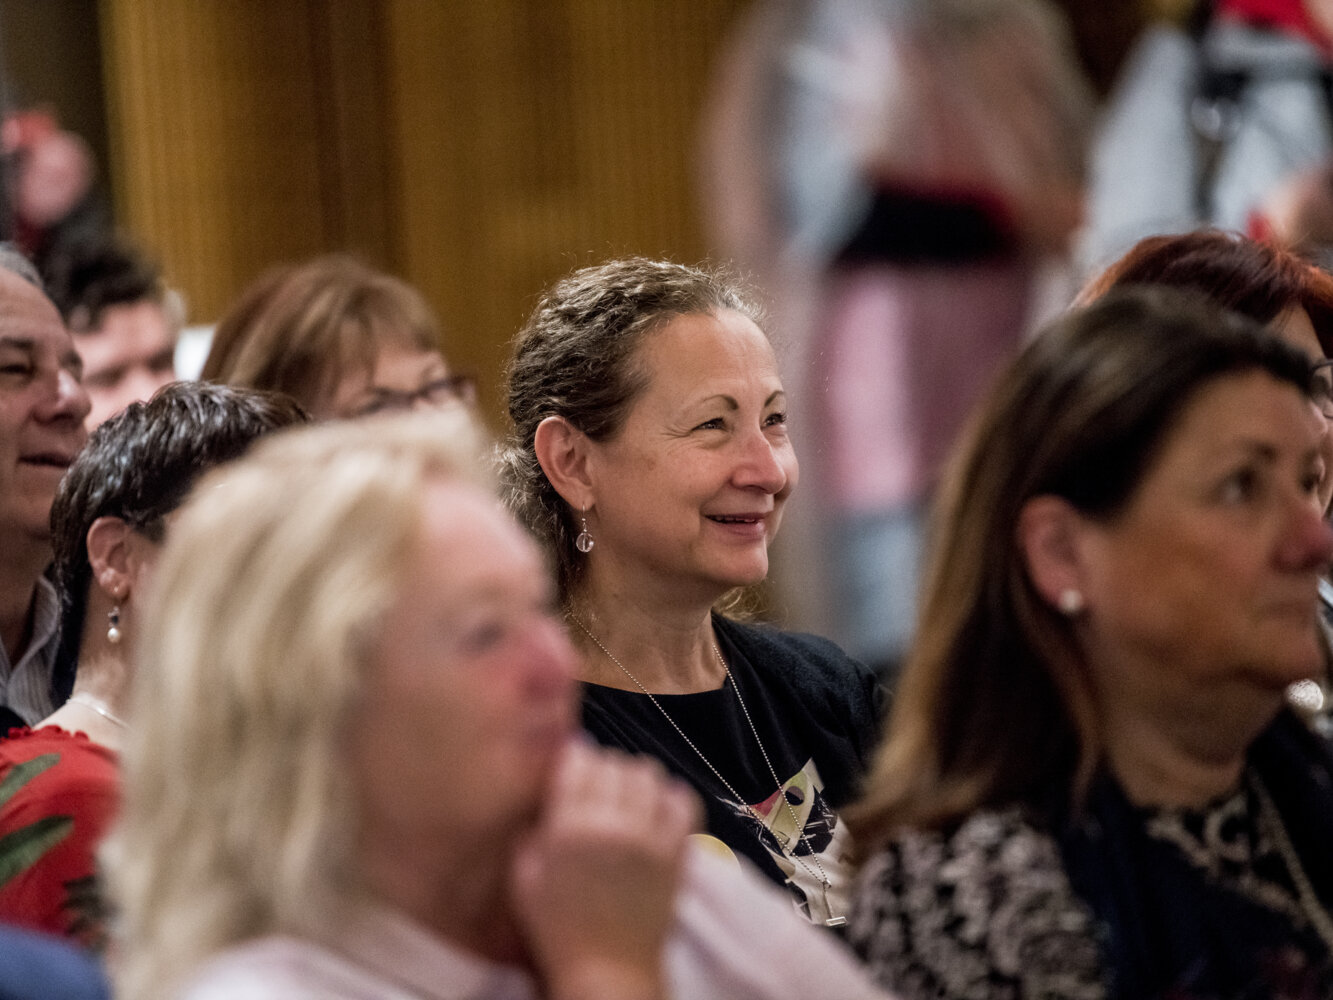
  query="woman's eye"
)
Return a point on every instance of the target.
[
  {"x": 716, "y": 424},
  {"x": 481, "y": 637},
  {"x": 1240, "y": 486},
  {"x": 1314, "y": 479},
  {"x": 775, "y": 419}
]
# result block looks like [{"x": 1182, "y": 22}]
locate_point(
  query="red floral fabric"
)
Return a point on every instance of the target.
[{"x": 58, "y": 794}]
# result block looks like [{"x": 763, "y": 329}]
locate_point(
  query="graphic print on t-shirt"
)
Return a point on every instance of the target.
[{"x": 791, "y": 852}]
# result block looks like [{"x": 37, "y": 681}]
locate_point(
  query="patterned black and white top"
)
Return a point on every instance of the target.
[
  {"x": 983, "y": 914},
  {"x": 989, "y": 911}
]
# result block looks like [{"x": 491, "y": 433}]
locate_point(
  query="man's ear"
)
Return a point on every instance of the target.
[
  {"x": 113, "y": 556},
  {"x": 562, "y": 451},
  {"x": 1049, "y": 532}
]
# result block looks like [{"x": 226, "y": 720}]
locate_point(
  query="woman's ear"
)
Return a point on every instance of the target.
[
  {"x": 562, "y": 452},
  {"x": 1049, "y": 531},
  {"x": 113, "y": 554}
]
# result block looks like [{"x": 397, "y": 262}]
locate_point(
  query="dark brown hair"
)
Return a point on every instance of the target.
[
  {"x": 995, "y": 706},
  {"x": 138, "y": 466}
]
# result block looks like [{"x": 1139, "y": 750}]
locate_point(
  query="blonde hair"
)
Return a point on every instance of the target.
[
  {"x": 299, "y": 328},
  {"x": 238, "y": 819}
]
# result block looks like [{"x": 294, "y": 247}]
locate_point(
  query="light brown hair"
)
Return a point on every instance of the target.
[{"x": 299, "y": 328}]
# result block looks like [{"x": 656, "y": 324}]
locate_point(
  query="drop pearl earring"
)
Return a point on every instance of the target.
[{"x": 1070, "y": 601}]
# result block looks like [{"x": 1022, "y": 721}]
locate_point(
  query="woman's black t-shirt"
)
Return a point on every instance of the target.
[{"x": 817, "y": 713}]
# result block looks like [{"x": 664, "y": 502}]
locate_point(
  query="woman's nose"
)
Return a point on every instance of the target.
[
  {"x": 762, "y": 465},
  {"x": 1309, "y": 542}
]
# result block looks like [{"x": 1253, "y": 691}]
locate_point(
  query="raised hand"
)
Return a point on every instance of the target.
[{"x": 594, "y": 887}]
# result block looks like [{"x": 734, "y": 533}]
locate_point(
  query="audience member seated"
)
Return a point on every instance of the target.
[
  {"x": 354, "y": 769},
  {"x": 342, "y": 339},
  {"x": 650, "y": 455},
  {"x": 1090, "y": 786},
  {"x": 42, "y": 409},
  {"x": 108, "y": 522},
  {"x": 1292, "y": 297},
  {"x": 124, "y": 320}
]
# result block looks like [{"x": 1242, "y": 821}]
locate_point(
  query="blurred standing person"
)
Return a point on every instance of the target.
[
  {"x": 123, "y": 318},
  {"x": 1211, "y": 124},
  {"x": 51, "y": 175},
  {"x": 899, "y": 173}
]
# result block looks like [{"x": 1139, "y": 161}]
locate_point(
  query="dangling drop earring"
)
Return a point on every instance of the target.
[
  {"x": 584, "y": 542},
  {"x": 113, "y": 625}
]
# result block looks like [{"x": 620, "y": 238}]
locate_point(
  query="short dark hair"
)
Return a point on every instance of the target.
[
  {"x": 90, "y": 276},
  {"x": 139, "y": 466}
]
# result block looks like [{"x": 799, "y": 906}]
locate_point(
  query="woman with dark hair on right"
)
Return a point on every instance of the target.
[
  {"x": 1289, "y": 295},
  {"x": 1090, "y": 786}
]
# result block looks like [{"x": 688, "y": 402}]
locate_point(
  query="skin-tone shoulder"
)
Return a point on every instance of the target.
[{"x": 400, "y": 370}]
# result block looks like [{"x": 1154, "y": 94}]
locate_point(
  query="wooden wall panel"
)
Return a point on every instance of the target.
[
  {"x": 241, "y": 135},
  {"x": 536, "y": 136},
  {"x": 480, "y": 149}
]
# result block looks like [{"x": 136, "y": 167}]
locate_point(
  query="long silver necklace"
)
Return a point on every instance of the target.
[
  {"x": 1271, "y": 821},
  {"x": 817, "y": 872},
  {"x": 88, "y": 701}
]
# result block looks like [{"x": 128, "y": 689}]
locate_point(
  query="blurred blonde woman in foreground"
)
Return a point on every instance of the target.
[{"x": 353, "y": 771}]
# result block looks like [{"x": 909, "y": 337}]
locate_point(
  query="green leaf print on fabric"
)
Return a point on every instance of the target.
[{"x": 23, "y": 848}]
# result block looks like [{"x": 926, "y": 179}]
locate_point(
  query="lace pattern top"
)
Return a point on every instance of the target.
[
  {"x": 988, "y": 911},
  {"x": 984, "y": 913}
]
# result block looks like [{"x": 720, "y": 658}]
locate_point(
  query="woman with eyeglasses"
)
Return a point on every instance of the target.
[
  {"x": 1288, "y": 295},
  {"x": 341, "y": 338}
]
